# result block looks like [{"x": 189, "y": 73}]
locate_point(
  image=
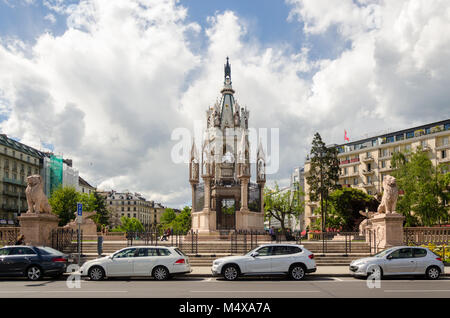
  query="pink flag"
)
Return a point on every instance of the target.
[{"x": 345, "y": 136}]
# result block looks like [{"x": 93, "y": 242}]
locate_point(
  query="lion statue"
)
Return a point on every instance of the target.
[
  {"x": 390, "y": 195},
  {"x": 36, "y": 199}
]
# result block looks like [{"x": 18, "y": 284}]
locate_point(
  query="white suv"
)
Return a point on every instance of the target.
[
  {"x": 272, "y": 259},
  {"x": 157, "y": 261}
]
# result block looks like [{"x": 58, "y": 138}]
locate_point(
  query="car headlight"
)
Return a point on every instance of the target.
[{"x": 217, "y": 262}]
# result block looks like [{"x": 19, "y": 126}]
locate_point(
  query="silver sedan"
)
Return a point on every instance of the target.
[{"x": 400, "y": 260}]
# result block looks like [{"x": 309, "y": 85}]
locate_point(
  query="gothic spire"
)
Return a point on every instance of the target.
[{"x": 227, "y": 70}]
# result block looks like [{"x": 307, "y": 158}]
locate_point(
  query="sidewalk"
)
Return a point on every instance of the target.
[{"x": 322, "y": 271}]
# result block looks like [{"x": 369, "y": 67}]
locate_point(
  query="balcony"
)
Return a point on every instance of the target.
[
  {"x": 386, "y": 169},
  {"x": 386, "y": 156},
  {"x": 12, "y": 181},
  {"x": 443, "y": 147},
  {"x": 368, "y": 172},
  {"x": 443, "y": 160},
  {"x": 350, "y": 162},
  {"x": 367, "y": 159},
  {"x": 368, "y": 185}
]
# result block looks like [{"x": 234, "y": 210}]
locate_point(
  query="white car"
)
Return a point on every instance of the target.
[
  {"x": 271, "y": 259},
  {"x": 400, "y": 260},
  {"x": 156, "y": 261}
]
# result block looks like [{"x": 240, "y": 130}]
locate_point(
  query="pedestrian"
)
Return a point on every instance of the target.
[
  {"x": 20, "y": 240},
  {"x": 272, "y": 233}
]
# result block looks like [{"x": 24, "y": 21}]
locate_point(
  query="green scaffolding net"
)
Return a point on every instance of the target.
[{"x": 56, "y": 172}]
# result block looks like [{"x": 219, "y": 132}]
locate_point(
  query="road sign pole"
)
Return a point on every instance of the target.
[{"x": 79, "y": 220}]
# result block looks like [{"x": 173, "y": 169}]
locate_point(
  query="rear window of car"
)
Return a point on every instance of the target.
[
  {"x": 163, "y": 252},
  {"x": 286, "y": 250},
  {"x": 45, "y": 250},
  {"x": 180, "y": 252},
  {"x": 420, "y": 252}
]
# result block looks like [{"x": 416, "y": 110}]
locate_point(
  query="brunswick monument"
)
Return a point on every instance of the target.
[{"x": 226, "y": 200}]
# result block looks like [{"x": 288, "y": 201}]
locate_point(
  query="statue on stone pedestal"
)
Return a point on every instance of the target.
[
  {"x": 36, "y": 199},
  {"x": 390, "y": 195}
]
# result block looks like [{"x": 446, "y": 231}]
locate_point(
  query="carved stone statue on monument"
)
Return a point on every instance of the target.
[
  {"x": 390, "y": 195},
  {"x": 36, "y": 199}
]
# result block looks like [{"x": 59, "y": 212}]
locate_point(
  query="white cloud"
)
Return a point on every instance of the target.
[{"x": 110, "y": 90}]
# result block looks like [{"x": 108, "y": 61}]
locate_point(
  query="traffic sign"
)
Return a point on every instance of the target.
[{"x": 80, "y": 209}]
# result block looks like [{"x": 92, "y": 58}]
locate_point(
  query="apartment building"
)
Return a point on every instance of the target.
[{"x": 364, "y": 163}]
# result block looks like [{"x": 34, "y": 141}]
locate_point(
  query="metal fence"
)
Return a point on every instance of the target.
[
  {"x": 426, "y": 235},
  {"x": 9, "y": 235},
  {"x": 62, "y": 240}
]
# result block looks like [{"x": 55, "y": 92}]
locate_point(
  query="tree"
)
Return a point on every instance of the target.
[
  {"x": 345, "y": 205},
  {"x": 283, "y": 204},
  {"x": 102, "y": 215},
  {"x": 167, "y": 217},
  {"x": 129, "y": 225},
  {"x": 323, "y": 174},
  {"x": 182, "y": 222},
  {"x": 64, "y": 203},
  {"x": 424, "y": 187}
]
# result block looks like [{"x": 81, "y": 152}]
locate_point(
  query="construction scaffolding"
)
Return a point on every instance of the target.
[{"x": 56, "y": 172}]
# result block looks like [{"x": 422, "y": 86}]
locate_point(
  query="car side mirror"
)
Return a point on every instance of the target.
[
  {"x": 254, "y": 254},
  {"x": 389, "y": 257}
]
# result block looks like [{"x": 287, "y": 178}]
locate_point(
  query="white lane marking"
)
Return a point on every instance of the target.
[
  {"x": 417, "y": 291},
  {"x": 255, "y": 291},
  {"x": 337, "y": 279},
  {"x": 64, "y": 291}
]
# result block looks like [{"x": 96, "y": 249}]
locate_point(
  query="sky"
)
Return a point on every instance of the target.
[{"x": 106, "y": 83}]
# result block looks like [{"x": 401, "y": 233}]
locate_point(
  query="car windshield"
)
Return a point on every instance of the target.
[
  {"x": 45, "y": 250},
  {"x": 383, "y": 253}
]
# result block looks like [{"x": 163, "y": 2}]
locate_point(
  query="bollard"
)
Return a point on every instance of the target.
[{"x": 100, "y": 245}]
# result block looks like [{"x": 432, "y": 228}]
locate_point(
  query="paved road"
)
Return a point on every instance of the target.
[{"x": 316, "y": 287}]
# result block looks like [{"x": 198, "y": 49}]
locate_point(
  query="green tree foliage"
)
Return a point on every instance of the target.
[
  {"x": 64, "y": 203},
  {"x": 345, "y": 205},
  {"x": 324, "y": 173},
  {"x": 168, "y": 217},
  {"x": 425, "y": 189},
  {"x": 129, "y": 225},
  {"x": 283, "y": 204},
  {"x": 182, "y": 222}
]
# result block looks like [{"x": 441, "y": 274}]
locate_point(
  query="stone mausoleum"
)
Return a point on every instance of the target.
[{"x": 223, "y": 196}]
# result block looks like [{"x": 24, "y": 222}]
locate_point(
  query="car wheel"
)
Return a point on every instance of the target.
[
  {"x": 34, "y": 272},
  {"x": 433, "y": 272},
  {"x": 375, "y": 272},
  {"x": 230, "y": 272},
  {"x": 297, "y": 272},
  {"x": 96, "y": 273},
  {"x": 161, "y": 273}
]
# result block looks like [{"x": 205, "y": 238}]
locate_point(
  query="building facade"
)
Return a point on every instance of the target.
[
  {"x": 17, "y": 162},
  {"x": 133, "y": 205},
  {"x": 85, "y": 187},
  {"x": 364, "y": 163},
  {"x": 226, "y": 199}
]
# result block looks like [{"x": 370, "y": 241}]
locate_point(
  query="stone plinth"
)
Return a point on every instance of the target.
[
  {"x": 37, "y": 228},
  {"x": 388, "y": 229},
  {"x": 247, "y": 220}
]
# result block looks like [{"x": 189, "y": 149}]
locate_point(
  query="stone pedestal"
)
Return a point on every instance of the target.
[
  {"x": 388, "y": 230},
  {"x": 37, "y": 228}
]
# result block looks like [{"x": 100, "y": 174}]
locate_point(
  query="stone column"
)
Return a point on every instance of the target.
[
  {"x": 388, "y": 229},
  {"x": 37, "y": 228},
  {"x": 244, "y": 194}
]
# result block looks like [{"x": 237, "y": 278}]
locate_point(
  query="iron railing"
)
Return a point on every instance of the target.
[
  {"x": 9, "y": 235},
  {"x": 426, "y": 235},
  {"x": 187, "y": 241}
]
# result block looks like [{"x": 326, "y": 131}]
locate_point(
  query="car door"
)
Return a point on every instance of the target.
[
  {"x": 420, "y": 256},
  {"x": 400, "y": 261},
  {"x": 121, "y": 263},
  {"x": 144, "y": 261},
  {"x": 4, "y": 252},
  {"x": 262, "y": 262},
  {"x": 19, "y": 258},
  {"x": 282, "y": 259}
]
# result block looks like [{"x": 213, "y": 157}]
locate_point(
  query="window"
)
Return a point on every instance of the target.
[
  {"x": 402, "y": 253},
  {"x": 285, "y": 250},
  {"x": 4, "y": 251},
  {"x": 22, "y": 251},
  {"x": 355, "y": 168},
  {"x": 408, "y": 148},
  {"x": 145, "y": 252},
  {"x": 443, "y": 154},
  {"x": 445, "y": 141},
  {"x": 410, "y": 134},
  {"x": 383, "y": 164},
  {"x": 424, "y": 144},
  {"x": 163, "y": 252},
  {"x": 419, "y": 252},
  {"x": 369, "y": 179},
  {"x": 265, "y": 251},
  {"x": 355, "y": 181},
  {"x": 129, "y": 252},
  {"x": 399, "y": 137}
]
